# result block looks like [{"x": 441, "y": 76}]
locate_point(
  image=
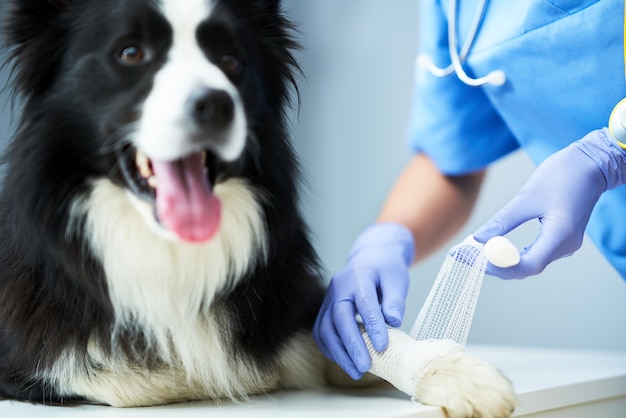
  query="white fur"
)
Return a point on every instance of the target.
[
  {"x": 164, "y": 288},
  {"x": 162, "y": 283},
  {"x": 165, "y": 131},
  {"x": 112, "y": 381},
  {"x": 467, "y": 387}
]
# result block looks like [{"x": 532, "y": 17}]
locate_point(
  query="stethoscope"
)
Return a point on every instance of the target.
[
  {"x": 617, "y": 119},
  {"x": 494, "y": 78}
]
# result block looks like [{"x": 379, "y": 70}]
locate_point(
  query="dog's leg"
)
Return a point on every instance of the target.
[
  {"x": 303, "y": 366},
  {"x": 440, "y": 373}
]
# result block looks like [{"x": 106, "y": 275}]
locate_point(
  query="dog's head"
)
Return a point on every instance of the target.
[{"x": 165, "y": 97}]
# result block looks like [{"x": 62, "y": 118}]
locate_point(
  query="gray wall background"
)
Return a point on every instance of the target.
[{"x": 350, "y": 134}]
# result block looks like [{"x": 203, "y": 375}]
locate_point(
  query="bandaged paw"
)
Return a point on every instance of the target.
[
  {"x": 406, "y": 360},
  {"x": 440, "y": 373}
]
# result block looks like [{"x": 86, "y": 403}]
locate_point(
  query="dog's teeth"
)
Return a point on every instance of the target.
[
  {"x": 203, "y": 155},
  {"x": 152, "y": 182},
  {"x": 143, "y": 165}
]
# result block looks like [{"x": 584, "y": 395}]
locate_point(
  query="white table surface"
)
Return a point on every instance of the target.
[{"x": 545, "y": 380}]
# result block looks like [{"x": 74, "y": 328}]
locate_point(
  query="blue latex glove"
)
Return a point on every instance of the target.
[
  {"x": 561, "y": 193},
  {"x": 374, "y": 285}
]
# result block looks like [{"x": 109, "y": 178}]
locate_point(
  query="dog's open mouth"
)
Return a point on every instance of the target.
[{"x": 181, "y": 191}]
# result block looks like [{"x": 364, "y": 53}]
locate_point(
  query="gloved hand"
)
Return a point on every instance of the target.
[
  {"x": 561, "y": 193},
  {"x": 373, "y": 284}
]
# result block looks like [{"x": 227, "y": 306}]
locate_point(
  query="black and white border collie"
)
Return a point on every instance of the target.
[{"x": 151, "y": 246}]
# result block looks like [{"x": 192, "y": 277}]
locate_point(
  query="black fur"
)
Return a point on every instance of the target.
[{"x": 53, "y": 290}]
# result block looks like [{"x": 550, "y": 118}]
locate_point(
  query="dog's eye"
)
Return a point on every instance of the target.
[
  {"x": 231, "y": 63},
  {"x": 132, "y": 55}
]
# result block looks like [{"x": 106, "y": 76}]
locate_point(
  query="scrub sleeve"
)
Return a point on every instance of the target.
[{"x": 454, "y": 124}]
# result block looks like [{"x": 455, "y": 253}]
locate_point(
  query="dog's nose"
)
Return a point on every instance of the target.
[{"x": 211, "y": 109}]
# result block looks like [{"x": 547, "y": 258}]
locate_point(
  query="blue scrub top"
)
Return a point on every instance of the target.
[{"x": 564, "y": 63}]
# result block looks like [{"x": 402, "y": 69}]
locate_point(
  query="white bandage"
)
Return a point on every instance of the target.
[
  {"x": 406, "y": 360},
  {"x": 449, "y": 308},
  {"x": 443, "y": 324}
]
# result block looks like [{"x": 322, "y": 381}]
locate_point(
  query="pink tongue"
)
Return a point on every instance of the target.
[{"x": 185, "y": 203}]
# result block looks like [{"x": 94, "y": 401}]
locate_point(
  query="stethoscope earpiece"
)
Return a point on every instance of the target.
[
  {"x": 496, "y": 78},
  {"x": 617, "y": 122}
]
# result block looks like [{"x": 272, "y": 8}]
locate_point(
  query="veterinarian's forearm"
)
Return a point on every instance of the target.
[{"x": 433, "y": 206}]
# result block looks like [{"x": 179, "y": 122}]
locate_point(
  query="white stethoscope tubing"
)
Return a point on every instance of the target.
[{"x": 496, "y": 77}]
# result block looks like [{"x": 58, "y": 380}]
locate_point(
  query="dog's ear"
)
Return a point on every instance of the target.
[
  {"x": 32, "y": 32},
  {"x": 29, "y": 18}
]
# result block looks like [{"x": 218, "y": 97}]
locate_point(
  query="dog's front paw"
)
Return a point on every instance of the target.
[
  {"x": 466, "y": 387},
  {"x": 440, "y": 373}
]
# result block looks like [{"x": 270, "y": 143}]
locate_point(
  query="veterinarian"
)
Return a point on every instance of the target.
[{"x": 492, "y": 78}]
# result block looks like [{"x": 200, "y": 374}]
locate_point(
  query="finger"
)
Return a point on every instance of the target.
[
  {"x": 322, "y": 320},
  {"x": 369, "y": 308},
  {"x": 330, "y": 345},
  {"x": 547, "y": 247},
  {"x": 509, "y": 273},
  {"x": 319, "y": 327},
  {"x": 555, "y": 240},
  {"x": 528, "y": 266},
  {"x": 393, "y": 296},
  {"x": 349, "y": 338}
]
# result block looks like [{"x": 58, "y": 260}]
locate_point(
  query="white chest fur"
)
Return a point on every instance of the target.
[{"x": 165, "y": 287}]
